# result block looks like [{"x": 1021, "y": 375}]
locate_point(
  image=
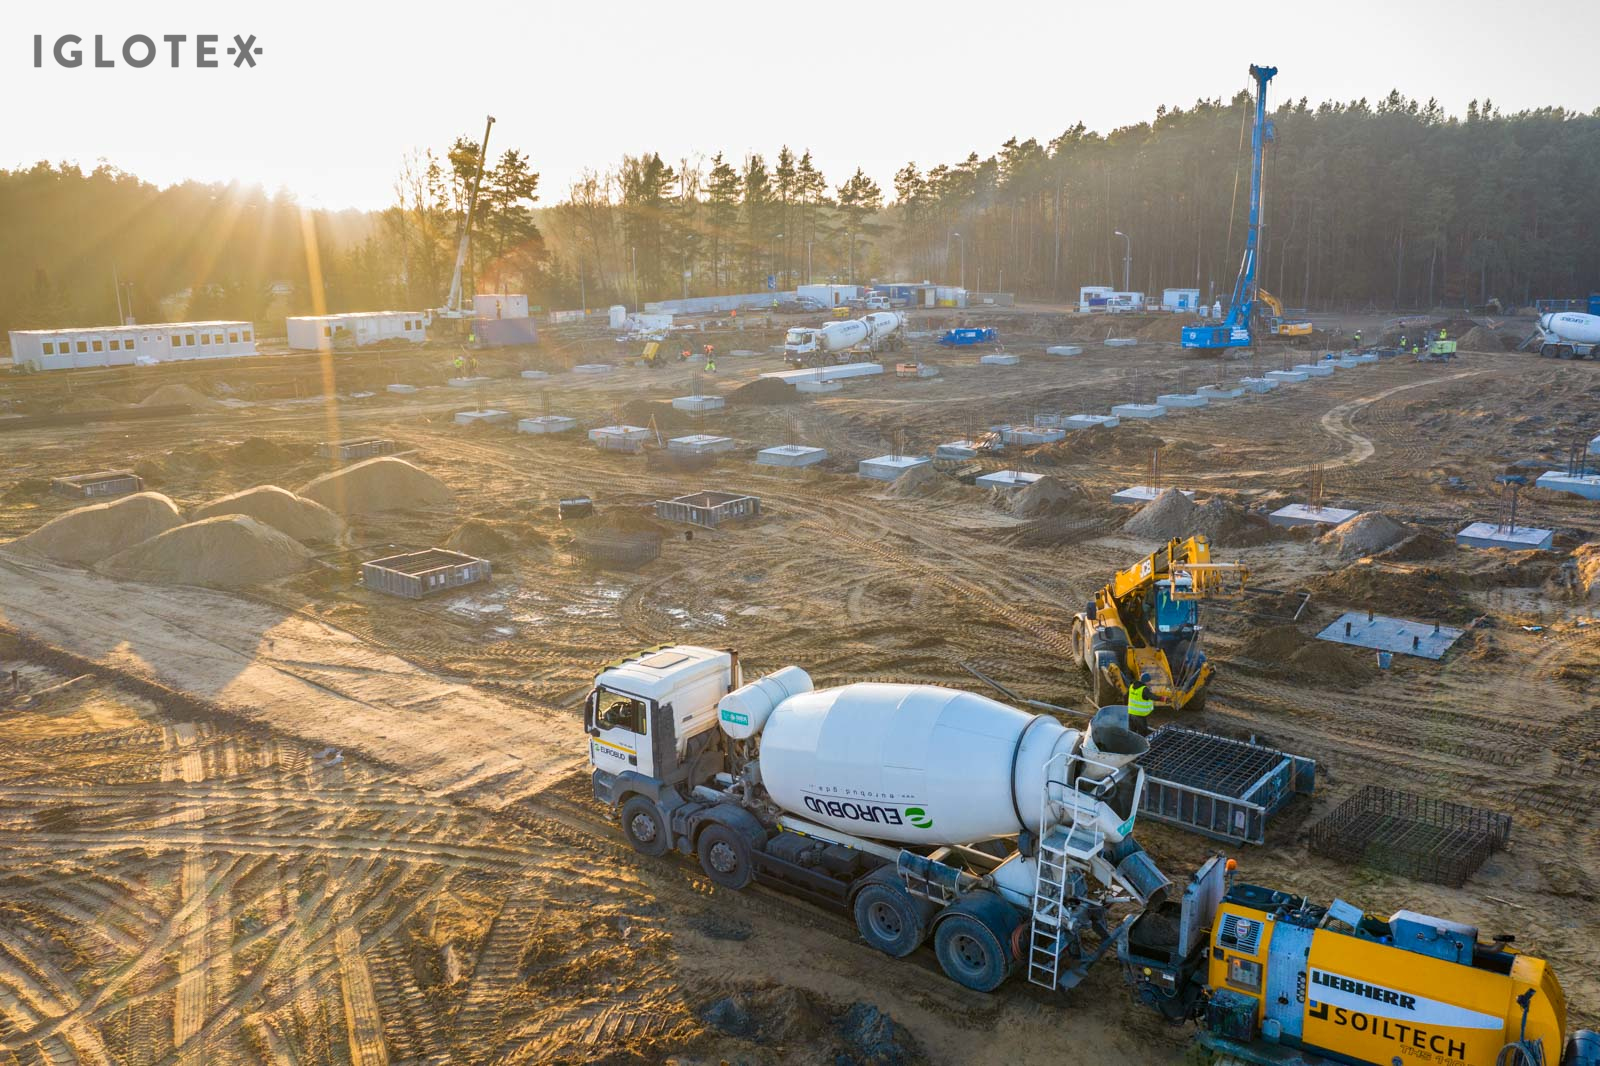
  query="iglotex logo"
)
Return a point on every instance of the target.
[{"x": 138, "y": 50}]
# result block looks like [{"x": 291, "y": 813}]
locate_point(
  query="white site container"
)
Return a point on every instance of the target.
[
  {"x": 500, "y": 305},
  {"x": 311, "y": 333},
  {"x": 165, "y": 342}
]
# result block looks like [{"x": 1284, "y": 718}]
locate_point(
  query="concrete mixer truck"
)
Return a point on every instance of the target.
[
  {"x": 837, "y": 342},
  {"x": 1567, "y": 335},
  {"x": 1005, "y": 838}
]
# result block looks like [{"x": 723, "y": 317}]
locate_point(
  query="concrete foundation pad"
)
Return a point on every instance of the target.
[
  {"x": 535, "y": 375},
  {"x": 818, "y": 386},
  {"x": 1585, "y": 485},
  {"x": 403, "y": 390},
  {"x": 484, "y": 417},
  {"x": 1139, "y": 410},
  {"x": 889, "y": 467},
  {"x": 468, "y": 383},
  {"x": 1121, "y": 342},
  {"x": 791, "y": 455},
  {"x": 1142, "y": 494},
  {"x": 1364, "y": 358},
  {"x": 827, "y": 373},
  {"x": 700, "y": 444},
  {"x": 1029, "y": 434},
  {"x": 1063, "y": 349},
  {"x": 1491, "y": 535},
  {"x": 1000, "y": 359},
  {"x": 547, "y": 424},
  {"x": 1258, "y": 384},
  {"x": 620, "y": 438},
  {"x": 697, "y": 403},
  {"x": 1403, "y": 637},
  {"x": 1007, "y": 480},
  {"x": 1181, "y": 399},
  {"x": 1071, "y": 422},
  {"x": 956, "y": 449},
  {"x": 1287, "y": 375},
  {"x": 1315, "y": 370},
  {"x": 1303, "y": 514},
  {"x": 1347, "y": 362},
  {"x": 593, "y": 368},
  {"x": 1214, "y": 393}
]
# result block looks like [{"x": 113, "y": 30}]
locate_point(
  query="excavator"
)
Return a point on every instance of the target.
[
  {"x": 1277, "y": 323},
  {"x": 1147, "y": 622}
]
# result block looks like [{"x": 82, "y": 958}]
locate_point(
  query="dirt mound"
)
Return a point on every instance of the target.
[
  {"x": 667, "y": 418},
  {"x": 172, "y": 395},
  {"x": 381, "y": 484},
  {"x": 1223, "y": 522},
  {"x": 1285, "y": 649},
  {"x": 92, "y": 533},
  {"x": 1482, "y": 339},
  {"x": 91, "y": 402},
  {"x": 1586, "y": 560},
  {"x": 228, "y": 551},
  {"x": 1168, "y": 328},
  {"x": 1165, "y": 517},
  {"x": 1424, "y": 593},
  {"x": 1423, "y": 544},
  {"x": 479, "y": 538},
  {"x": 623, "y": 519},
  {"x": 918, "y": 482},
  {"x": 765, "y": 392},
  {"x": 1365, "y": 534},
  {"x": 260, "y": 451},
  {"x": 1273, "y": 645},
  {"x": 292, "y": 515},
  {"x": 1045, "y": 498},
  {"x": 1127, "y": 443}
]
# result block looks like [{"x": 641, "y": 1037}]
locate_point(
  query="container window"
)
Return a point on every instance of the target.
[
  {"x": 49, "y": 348},
  {"x": 233, "y": 338},
  {"x": 191, "y": 340},
  {"x": 82, "y": 347},
  {"x": 246, "y": 336},
  {"x": 99, "y": 346},
  {"x": 116, "y": 345}
]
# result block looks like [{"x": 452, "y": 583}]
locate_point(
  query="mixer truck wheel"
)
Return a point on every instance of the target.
[
  {"x": 644, "y": 828},
  {"x": 971, "y": 951},
  {"x": 889, "y": 919},
  {"x": 725, "y": 856}
]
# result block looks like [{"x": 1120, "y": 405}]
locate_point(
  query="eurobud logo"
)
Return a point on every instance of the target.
[{"x": 175, "y": 50}]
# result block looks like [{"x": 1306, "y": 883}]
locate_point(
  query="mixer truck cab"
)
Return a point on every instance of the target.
[{"x": 930, "y": 814}]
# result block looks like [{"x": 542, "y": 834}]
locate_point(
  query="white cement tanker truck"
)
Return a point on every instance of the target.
[
  {"x": 824, "y": 345},
  {"x": 1567, "y": 334},
  {"x": 929, "y": 813}
]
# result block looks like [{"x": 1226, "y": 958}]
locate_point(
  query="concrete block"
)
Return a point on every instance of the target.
[
  {"x": 1121, "y": 342},
  {"x": 1399, "y": 635},
  {"x": 1287, "y": 375},
  {"x": 1258, "y": 384},
  {"x": 1000, "y": 359},
  {"x": 1348, "y": 362},
  {"x": 1492, "y": 535},
  {"x": 1303, "y": 514},
  {"x": 827, "y": 373},
  {"x": 620, "y": 438},
  {"x": 1143, "y": 494},
  {"x": 889, "y": 467},
  {"x": 818, "y": 386},
  {"x": 790, "y": 455},
  {"x": 593, "y": 368},
  {"x": 478, "y": 418},
  {"x": 1213, "y": 393},
  {"x": 1071, "y": 422},
  {"x": 1064, "y": 349},
  {"x": 1585, "y": 485},
  {"x": 547, "y": 424},
  {"x": 1362, "y": 358},
  {"x": 403, "y": 390},
  {"x": 1008, "y": 480},
  {"x": 956, "y": 449},
  {"x": 1029, "y": 434},
  {"x": 1138, "y": 410},
  {"x": 700, "y": 444},
  {"x": 1315, "y": 370},
  {"x": 468, "y": 383},
  {"x": 535, "y": 375},
  {"x": 697, "y": 403},
  {"x": 1181, "y": 399}
]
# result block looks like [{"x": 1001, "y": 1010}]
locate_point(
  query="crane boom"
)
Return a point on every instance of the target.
[
  {"x": 1236, "y": 329},
  {"x": 452, "y": 305}
]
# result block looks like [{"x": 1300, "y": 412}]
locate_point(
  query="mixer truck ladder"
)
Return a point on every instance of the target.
[{"x": 1064, "y": 850}]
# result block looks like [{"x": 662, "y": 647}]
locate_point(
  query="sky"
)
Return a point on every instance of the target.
[{"x": 342, "y": 89}]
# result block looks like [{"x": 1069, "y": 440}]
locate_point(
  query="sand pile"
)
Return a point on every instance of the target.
[
  {"x": 1587, "y": 557},
  {"x": 1365, "y": 534},
  {"x": 1482, "y": 339},
  {"x": 172, "y": 395},
  {"x": 1222, "y": 522},
  {"x": 292, "y": 515},
  {"x": 1045, "y": 498},
  {"x": 765, "y": 392},
  {"x": 479, "y": 538},
  {"x": 1166, "y": 328},
  {"x": 381, "y": 484},
  {"x": 228, "y": 551},
  {"x": 1165, "y": 517},
  {"x": 89, "y": 534},
  {"x": 919, "y": 481}
]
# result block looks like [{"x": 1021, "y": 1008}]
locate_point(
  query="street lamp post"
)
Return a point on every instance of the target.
[
  {"x": 1127, "y": 260},
  {"x": 956, "y": 236},
  {"x": 633, "y": 254}
]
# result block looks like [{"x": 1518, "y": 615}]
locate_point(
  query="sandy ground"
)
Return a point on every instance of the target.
[{"x": 442, "y": 889}]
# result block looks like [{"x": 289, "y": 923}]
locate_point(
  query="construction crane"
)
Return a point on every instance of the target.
[
  {"x": 1147, "y": 622},
  {"x": 1278, "y": 324},
  {"x": 453, "y": 303},
  {"x": 1237, "y": 330}
]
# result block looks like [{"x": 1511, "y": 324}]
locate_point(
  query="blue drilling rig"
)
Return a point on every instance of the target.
[{"x": 1237, "y": 329}]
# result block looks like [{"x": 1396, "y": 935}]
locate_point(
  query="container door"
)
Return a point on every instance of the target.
[{"x": 1286, "y": 976}]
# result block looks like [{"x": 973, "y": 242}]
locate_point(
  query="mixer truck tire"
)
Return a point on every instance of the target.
[
  {"x": 888, "y": 918},
  {"x": 973, "y": 942},
  {"x": 725, "y": 856},
  {"x": 644, "y": 827}
]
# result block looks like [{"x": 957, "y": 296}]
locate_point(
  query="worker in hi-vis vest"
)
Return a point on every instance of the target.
[{"x": 1140, "y": 705}]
